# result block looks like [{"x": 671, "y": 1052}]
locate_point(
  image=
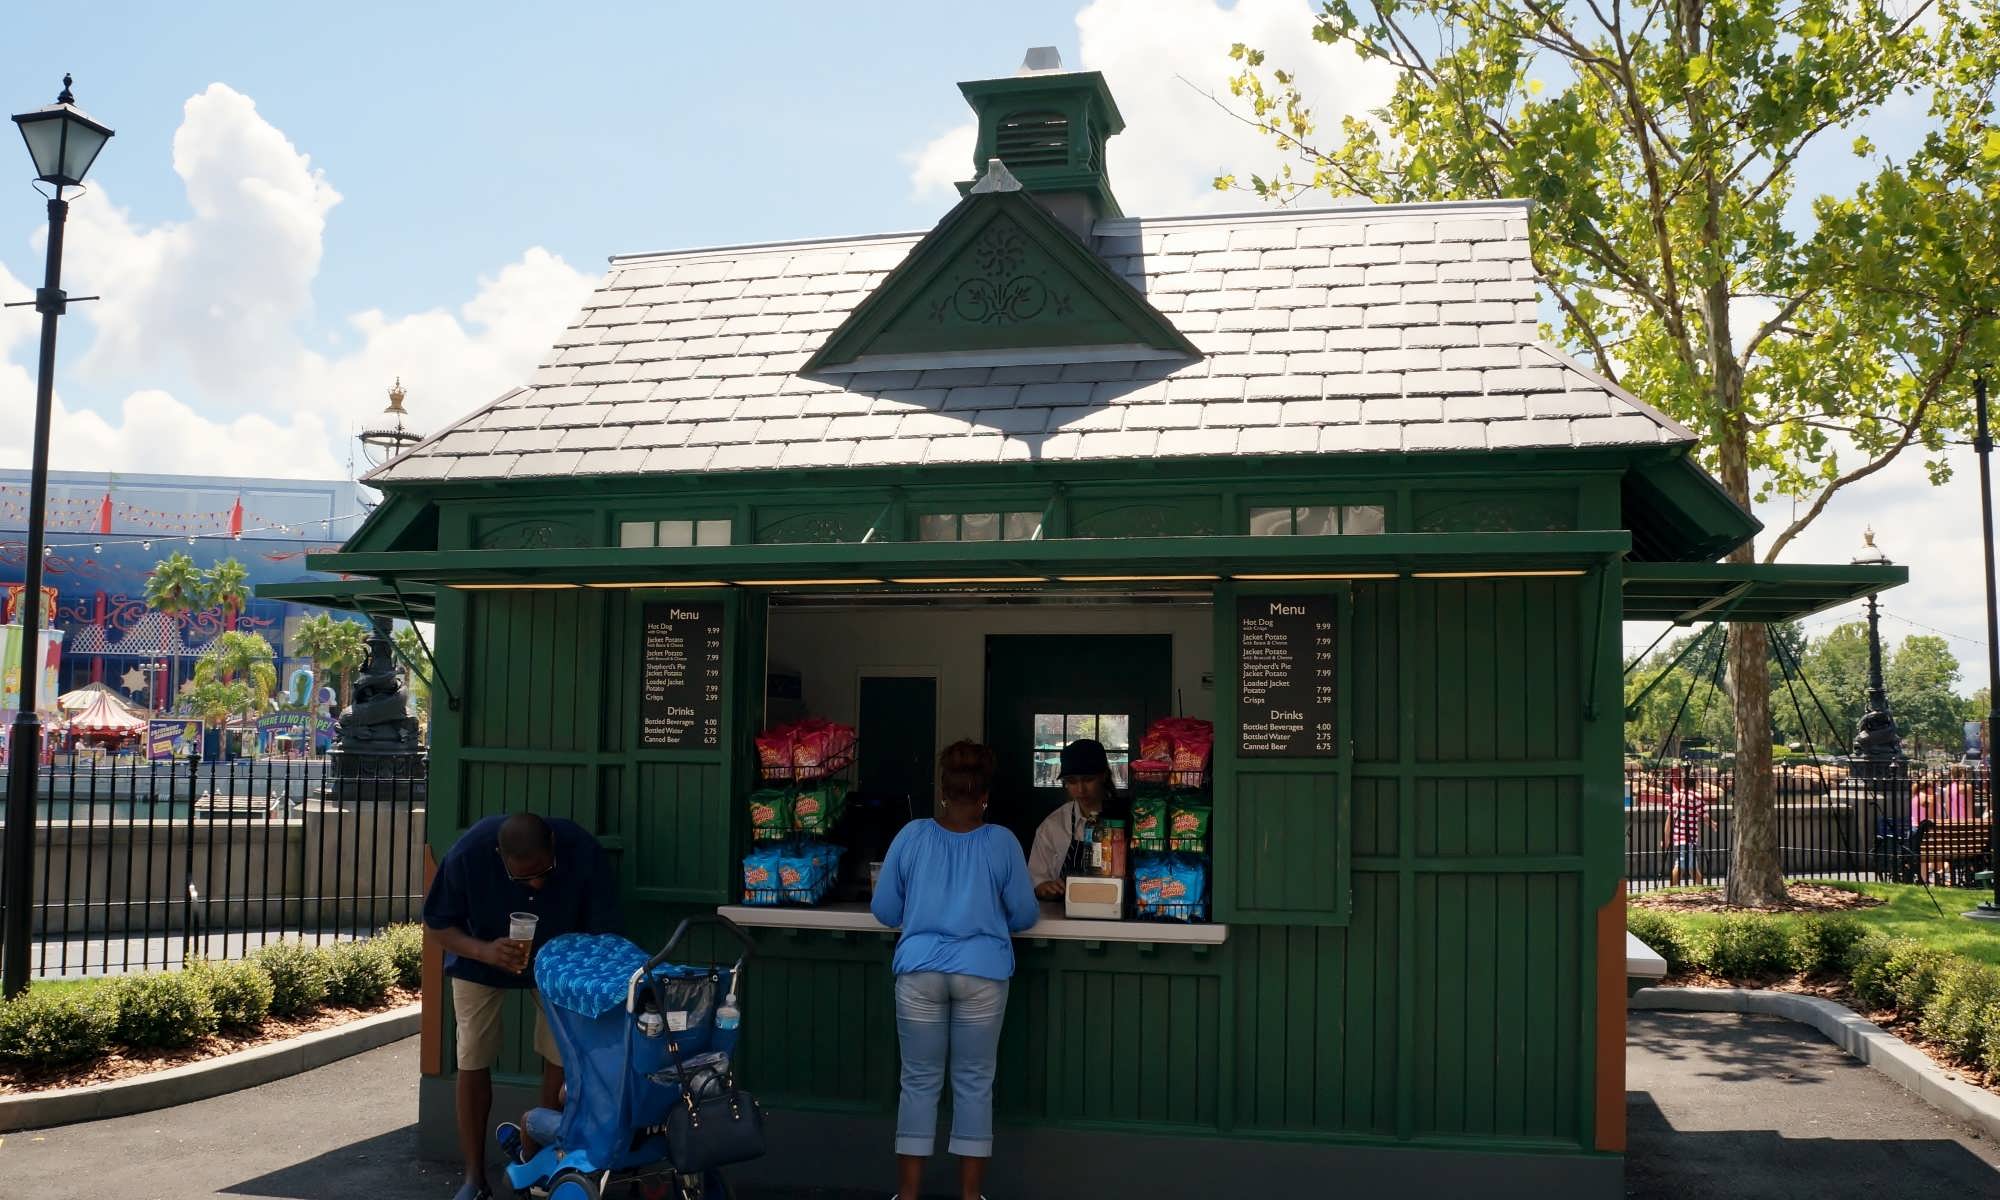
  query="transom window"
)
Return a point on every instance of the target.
[
  {"x": 1311, "y": 519},
  {"x": 676, "y": 532},
  {"x": 980, "y": 527},
  {"x": 1053, "y": 731}
]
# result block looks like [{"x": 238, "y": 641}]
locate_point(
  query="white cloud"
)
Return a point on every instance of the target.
[
  {"x": 223, "y": 300},
  {"x": 1155, "y": 54}
]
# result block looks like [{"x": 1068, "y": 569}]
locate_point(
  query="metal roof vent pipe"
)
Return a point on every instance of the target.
[{"x": 1049, "y": 127}]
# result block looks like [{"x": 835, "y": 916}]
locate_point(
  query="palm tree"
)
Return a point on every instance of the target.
[
  {"x": 176, "y": 587},
  {"x": 224, "y": 585},
  {"x": 335, "y": 647},
  {"x": 243, "y": 660}
]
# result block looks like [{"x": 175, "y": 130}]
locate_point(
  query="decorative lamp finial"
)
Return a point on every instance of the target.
[
  {"x": 65, "y": 96},
  {"x": 1868, "y": 537},
  {"x": 396, "y": 394},
  {"x": 997, "y": 179}
]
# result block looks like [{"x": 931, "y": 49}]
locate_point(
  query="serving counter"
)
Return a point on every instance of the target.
[{"x": 855, "y": 918}]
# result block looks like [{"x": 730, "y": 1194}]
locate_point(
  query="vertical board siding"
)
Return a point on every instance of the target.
[
  {"x": 553, "y": 791},
  {"x": 825, "y": 1031},
  {"x": 1500, "y": 680},
  {"x": 1373, "y": 673},
  {"x": 525, "y": 652},
  {"x": 1118, "y": 1026},
  {"x": 1285, "y": 843},
  {"x": 1499, "y": 818},
  {"x": 681, "y": 817}
]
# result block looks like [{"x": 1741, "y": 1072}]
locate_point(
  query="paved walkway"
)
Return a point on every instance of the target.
[{"x": 1721, "y": 1106}]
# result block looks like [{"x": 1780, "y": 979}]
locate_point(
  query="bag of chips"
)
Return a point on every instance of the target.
[
  {"x": 1187, "y": 827},
  {"x": 760, "y": 876},
  {"x": 770, "y": 813},
  {"x": 1149, "y": 822},
  {"x": 774, "y": 750},
  {"x": 1193, "y": 740},
  {"x": 815, "y": 810}
]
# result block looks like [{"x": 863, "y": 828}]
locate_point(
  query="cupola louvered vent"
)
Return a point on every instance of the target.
[{"x": 1039, "y": 139}]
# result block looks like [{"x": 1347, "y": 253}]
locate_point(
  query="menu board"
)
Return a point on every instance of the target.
[
  {"x": 1284, "y": 652},
  {"x": 680, "y": 676}
]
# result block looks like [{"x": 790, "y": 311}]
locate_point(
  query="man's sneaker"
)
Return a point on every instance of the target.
[
  {"x": 509, "y": 1137},
  {"x": 473, "y": 1189}
]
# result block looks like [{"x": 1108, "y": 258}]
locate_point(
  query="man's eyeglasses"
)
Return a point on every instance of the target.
[{"x": 528, "y": 878}]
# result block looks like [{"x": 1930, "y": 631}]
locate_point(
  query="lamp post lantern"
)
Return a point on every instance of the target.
[
  {"x": 1982, "y": 443},
  {"x": 381, "y": 445},
  {"x": 1877, "y": 746},
  {"x": 64, "y": 141}
]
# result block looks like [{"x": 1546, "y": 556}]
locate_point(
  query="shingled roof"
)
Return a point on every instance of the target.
[{"x": 1382, "y": 329}]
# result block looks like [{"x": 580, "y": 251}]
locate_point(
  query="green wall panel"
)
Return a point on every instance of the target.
[
  {"x": 1286, "y": 856},
  {"x": 1497, "y": 673},
  {"x": 533, "y": 659},
  {"x": 1377, "y": 805},
  {"x": 822, "y": 1030},
  {"x": 1374, "y": 673},
  {"x": 681, "y": 818},
  {"x": 1505, "y": 818},
  {"x": 492, "y": 788},
  {"x": 1493, "y": 510},
  {"x": 1137, "y": 1047}
]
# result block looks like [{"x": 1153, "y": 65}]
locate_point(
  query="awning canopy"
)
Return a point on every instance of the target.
[
  {"x": 404, "y": 583},
  {"x": 1755, "y": 592}
]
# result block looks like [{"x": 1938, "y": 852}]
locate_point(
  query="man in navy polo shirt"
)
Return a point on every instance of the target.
[{"x": 501, "y": 866}]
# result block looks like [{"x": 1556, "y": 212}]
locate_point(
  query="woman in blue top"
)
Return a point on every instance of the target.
[{"x": 958, "y": 889}]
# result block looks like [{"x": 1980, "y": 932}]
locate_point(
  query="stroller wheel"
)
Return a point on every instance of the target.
[{"x": 573, "y": 1185}]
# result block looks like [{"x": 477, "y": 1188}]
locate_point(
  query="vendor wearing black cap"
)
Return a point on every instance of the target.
[{"x": 1063, "y": 842}]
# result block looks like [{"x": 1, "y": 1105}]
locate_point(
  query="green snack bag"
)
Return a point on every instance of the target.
[
  {"x": 815, "y": 809},
  {"x": 1187, "y": 827},
  {"x": 770, "y": 813},
  {"x": 1149, "y": 823}
]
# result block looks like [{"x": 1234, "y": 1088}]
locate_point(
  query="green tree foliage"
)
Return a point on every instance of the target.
[
  {"x": 1809, "y": 341},
  {"x": 175, "y": 586},
  {"x": 416, "y": 671},
  {"x": 336, "y": 647},
  {"x": 242, "y": 663},
  {"x": 226, "y": 584}
]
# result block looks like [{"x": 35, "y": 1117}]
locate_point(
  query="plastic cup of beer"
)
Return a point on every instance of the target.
[{"x": 521, "y": 926}]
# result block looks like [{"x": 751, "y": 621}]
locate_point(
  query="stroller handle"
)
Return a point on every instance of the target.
[{"x": 680, "y": 931}]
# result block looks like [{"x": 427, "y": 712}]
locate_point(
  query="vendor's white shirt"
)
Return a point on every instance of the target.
[{"x": 1052, "y": 839}]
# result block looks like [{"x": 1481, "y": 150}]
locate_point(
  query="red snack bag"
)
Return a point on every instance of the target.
[
  {"x": 1192, "y": 744},
  {"x": 774, "y": 747}
]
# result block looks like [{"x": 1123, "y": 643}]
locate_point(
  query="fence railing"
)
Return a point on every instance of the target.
[
  {"x": 1834, "y": 822},
  {"x": 143, "y": 865}
]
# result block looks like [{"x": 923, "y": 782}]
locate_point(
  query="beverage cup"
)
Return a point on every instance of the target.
[
  {"x": 874, "y": 875},
  {"x": 521, "y": 926}
]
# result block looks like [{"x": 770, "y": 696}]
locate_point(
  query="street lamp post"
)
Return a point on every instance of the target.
[
  {"x": 1989, "y": 910},
  {"x": 64, "y": 142},
  {"x": 1877, "y": 745}
]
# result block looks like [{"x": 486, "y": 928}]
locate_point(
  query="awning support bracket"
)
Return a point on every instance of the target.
[{"x": 450, "y": 697}]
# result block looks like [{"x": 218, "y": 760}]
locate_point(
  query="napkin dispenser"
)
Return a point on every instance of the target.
[{"x": 1088, "y": 897}]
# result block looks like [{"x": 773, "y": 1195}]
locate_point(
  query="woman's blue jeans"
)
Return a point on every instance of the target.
[{"x": 955, "y": 1017}]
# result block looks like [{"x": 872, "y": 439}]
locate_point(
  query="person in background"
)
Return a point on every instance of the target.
[
  {"x": 1687, "y": 816},
  {"x": 504, "y": 865},
  {"x": 1063, "y": 840},
  {"x": 958, "y": 890},
  {"x": 1958, "y": 794}
]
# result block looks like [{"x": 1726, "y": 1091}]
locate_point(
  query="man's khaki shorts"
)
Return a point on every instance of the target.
[{"x": 477, "y": 1008}]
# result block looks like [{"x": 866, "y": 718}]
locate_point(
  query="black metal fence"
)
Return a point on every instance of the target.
[
  {"x": 1834, "y": 822},
  {"x": 144, "y": 865}
]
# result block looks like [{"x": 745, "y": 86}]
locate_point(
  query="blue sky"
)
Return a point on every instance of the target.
[{"x": 304, "y": 202}]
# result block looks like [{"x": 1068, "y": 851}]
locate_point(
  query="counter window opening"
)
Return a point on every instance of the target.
[
  {"x": 1317, "y": 519},
  {"x": 1019, "y": 526},
  {"x": 1053, "y": 731},
  {"x": 674, "y": 532}
]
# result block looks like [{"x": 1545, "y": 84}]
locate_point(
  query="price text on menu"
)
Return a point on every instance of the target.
[
  {"x": 1284, "y": 651},
  {"x": 680, "y": 680}
]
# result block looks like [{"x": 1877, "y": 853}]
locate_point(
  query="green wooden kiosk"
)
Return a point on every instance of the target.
[{"x": 1049, "y": 460}]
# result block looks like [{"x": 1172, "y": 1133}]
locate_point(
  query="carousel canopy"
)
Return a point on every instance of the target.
[
  {"x": 82, "y": 698},
  {"x": 104, "y": 715}
]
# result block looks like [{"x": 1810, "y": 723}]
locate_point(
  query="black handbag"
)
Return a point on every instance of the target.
[{"x": 713, "y": 1124}]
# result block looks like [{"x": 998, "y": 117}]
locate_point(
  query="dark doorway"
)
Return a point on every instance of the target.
[
  {"x": 1042, "y": 692},
  {"x": 898, "y": 735}
]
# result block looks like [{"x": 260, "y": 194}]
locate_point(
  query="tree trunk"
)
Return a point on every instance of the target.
[{"x": 1756, "y": 867}]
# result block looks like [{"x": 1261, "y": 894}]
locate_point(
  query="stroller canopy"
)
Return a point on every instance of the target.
[{"x": 587, "y": 973}]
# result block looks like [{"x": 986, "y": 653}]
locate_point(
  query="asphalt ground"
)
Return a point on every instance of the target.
[{"x": 1721, "y": 1105}]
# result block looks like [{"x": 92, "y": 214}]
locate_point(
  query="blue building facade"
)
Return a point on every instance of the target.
[{"x": 106, "y": 531}]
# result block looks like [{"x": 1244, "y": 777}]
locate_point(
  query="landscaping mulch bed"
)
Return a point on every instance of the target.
[
  {"x": 1805, "y": 897},
  {"x": 124, "y": 1063}
]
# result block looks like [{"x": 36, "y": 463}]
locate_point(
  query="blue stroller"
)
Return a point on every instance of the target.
[{"x": 637, "y": 1034}]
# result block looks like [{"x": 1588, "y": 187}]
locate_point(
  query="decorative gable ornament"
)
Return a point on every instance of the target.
[{"x": 999, "y": 281}]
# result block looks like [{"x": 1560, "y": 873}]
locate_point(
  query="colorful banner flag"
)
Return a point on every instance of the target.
[{"x": 172, "y": 739}]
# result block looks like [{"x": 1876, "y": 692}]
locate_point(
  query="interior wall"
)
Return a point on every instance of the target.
[{"x": 832, "y": 651}]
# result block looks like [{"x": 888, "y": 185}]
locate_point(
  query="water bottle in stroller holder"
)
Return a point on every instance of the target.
[{"x": 679, "y": 1003}]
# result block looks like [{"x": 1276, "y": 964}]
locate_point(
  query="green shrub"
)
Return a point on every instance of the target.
[
  {"x": 1825, "y": 945},
  {"x": 1955, "y": 1014},
  {"x": 1664, "y": 933},
  {"x": 1747, "y": 946},
  {"x": 241, "y": 992},
  {"x": 405, "y": 944},
  {"x": 1868, "y": 969},
  {"x": 1918, "y": 980},
  {"x": 50, "y": 1029},
  {"x": 1898, "y": 973},
  {"x": 298, "y": 976},
  {"x": 164, "y": 1010},
  {"x": 1989, "y": 1039},
  {"x": 359, "y": 974}
]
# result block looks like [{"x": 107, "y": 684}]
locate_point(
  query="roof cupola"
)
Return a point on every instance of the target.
[{"x": 1049, "y": 127}]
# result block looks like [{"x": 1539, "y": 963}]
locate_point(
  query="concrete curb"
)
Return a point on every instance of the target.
[
  {"x": 1863, "y": 1039},
  {"x": 210, "y": 1077}
]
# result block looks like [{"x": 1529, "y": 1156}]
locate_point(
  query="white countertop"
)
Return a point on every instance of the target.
[
  {"x": 1640, "y": 960},
  {"x": 855, "y": 918}
]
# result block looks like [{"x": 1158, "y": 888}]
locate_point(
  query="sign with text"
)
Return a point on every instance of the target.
[
  {"x": 172, "y": 739},
  {"x": 680, "y": 675},
  {"x": 1285, "y": 677}
]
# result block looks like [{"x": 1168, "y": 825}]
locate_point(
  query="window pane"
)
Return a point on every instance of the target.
[
  {"x": 677, "y": 533},
  {"x": 1318, "y": 521},
  {"x": 1048, "y": 769},
  {"x": 937, "y": 527},
  {"x": 1048, "y": 731},
  {"x": 1115, "y": 731},
  {"x": 714, "y": 532},
  {"x": 1022, "y": 526},
  {"x": 979, "y": 527},
  {"x": 1362, "y": 518},
  {"x": 1082, "y": 726},
  {"x": 1267, "y": 522},
  {"x": 1121, "y": 772},
  {"x": 635, "y": 533}
]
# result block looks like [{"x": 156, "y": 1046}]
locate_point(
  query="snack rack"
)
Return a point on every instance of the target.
[
  {"x": 1184, "y": 797},
  {"x": 792, "y": 813}
]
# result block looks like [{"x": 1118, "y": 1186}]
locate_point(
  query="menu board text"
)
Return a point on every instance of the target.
[
  {"x": 1284, "y": 653},
  {"x": 680, "y": 676}
]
